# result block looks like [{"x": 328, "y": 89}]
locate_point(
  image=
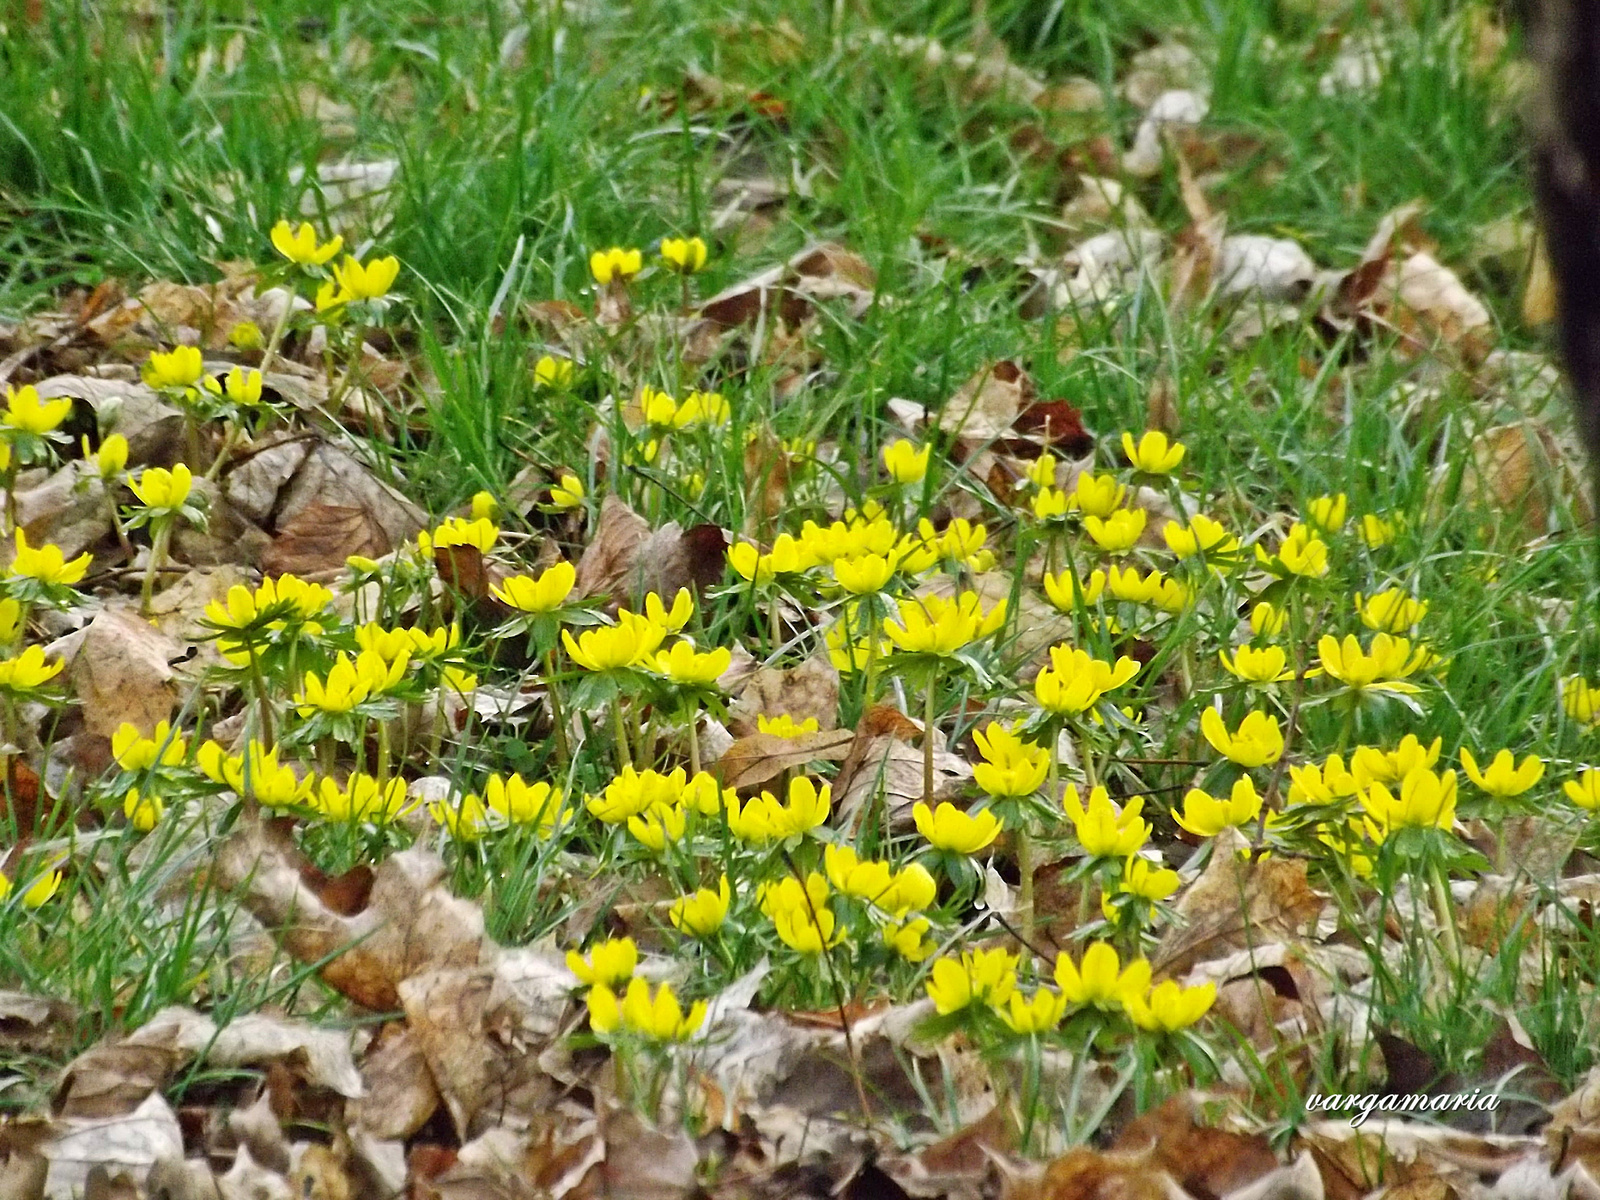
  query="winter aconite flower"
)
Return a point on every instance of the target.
[
  {"x": 1011, "y": 766},
  {"x": 1155, "y": 589},
  {"x": 38, "y": 893},
  {"x": 1372, "y": 765},
  {"x": 238, "y": 386},
  {"x": 688, "y": 667},
  {"x": 26, "y": 413},
  {"x": 1584, "y": 791},
  {"x": 1201, "y": 536},
  {"x": 300, "y": 245},
  {"x": 363, "y": 800},
  {"x": 1377, "y": 531},
  {"x": 909, "y": 939},
  {"x": 1170, "y": 1006},
  {"x": 546, "y": 593},
  {"x": 465, "y": 819},
  {"x": 1119, "y": 532},
  {"x": 608, "y": 963},
  {"x": 684, "y": 255},
  {"x": 1257, "y": 742},
  {"x": 905, "y": 463},
  {"x": 1392, "y": 611},
  {"x": 1096, "y": 495},
  {"x": 866, "y": 574},
  {"x": 763, "y": 819},
  {"x": 553, "y": 372},
  {"x": 977, "y": 977},
  {"x": 1075, "y": 681},
  {"x": 785, "y": 726},
  {"x": 1326, "y": 514},
  {"x": 1300, "y": 553},
  {"x": 143, "y": 812},
  {"x": 161, "y": 490},
  {"x": 1041, "y": 1014},
  {"x": 1426, "y": 801},
  {"x": 1100, "y": 981},
  {"x": 519, "y": 802},
  {"x": 28, "y": 670},
  {"x": 659, "y": 1017},
  {"x": 1267, "y": 620},
  {"x": 949, "y": 829},
  {"x": 1504, "y": 777},
  {"x": 1383, "y": 668},
  {"x": 1104, "y": 830},
  {"x": 632, "y": 792},
  {"x": 1326, "y": 784},
  {"x": 480, "y": 533},
  {"x": 1065, "y": 591},
  {"x": 46, "y": 564},
  {"x": 800, "y": 914},
  {"x": 1204, "y": 815},
  {"x": 702, "y": 912},
  {"x": 627, "y": 644},
  {"x": 369, "y": 282},
  {"x": 936, "y": 626},
  {"x": 1580, "y": 700},
  {"x": 180, "y": 367},
  {"x": 615, "y": 265},
  {"x": 1269, "y": 664},
  {"x": 1140, "y": 878},
  {"x": 1153, "y": 454}
]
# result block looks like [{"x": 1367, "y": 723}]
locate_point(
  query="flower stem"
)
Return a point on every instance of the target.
[
  {"x": 928, "y": 714},
  {"x": 1444, "y": 911},
  {"x": 158, "y": 554},
  {"x": 558, "y": 718},
  {"x": 624, "y": 758}
]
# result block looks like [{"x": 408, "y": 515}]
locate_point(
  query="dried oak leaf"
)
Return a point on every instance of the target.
[
  {"x": 120, "y": 666},
  {"x": 332, "y": 476},
  {"x": 886, "y": 754},
  {"x": 400, "y": 1095},
  {"x": 320, "y": 537},
  {"x": 411, "y": 924},
  {"x": 759, "y": 757},
  {"x": 1204, "y": 1161},
  {"x": 1235, "y": 902},
  {"x": 132, "y": 1142},
  {"x": 627, "y": 558},
  {"x": 985, "y": 408},
  {"x": 809, "y": 690}
]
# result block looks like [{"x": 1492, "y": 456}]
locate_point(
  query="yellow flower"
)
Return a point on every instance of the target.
[
  {"x": 1103, "y": 829},
  {"x": 26, "y": 413},
  {"x": 655, "y": 827},
  {"x": 1505, "y": 777},
  {"x": 132, "y": 751},
  {"x": 1326, "y": 514},
  {"x": 800, "y": 914},
  {"x": 702, "y": 912},
  {"x": 142, "y": 811},
  {"x": 238, "y": 385},
  {"x": 108, "y": 461},
  {"x": 660, "y": 1017},
  {"x": 787, "y": 557},
  {"x": 545, "y": 594},
  {"x": 37, "y": 894},
  {"x": 783, "y": 725},
  {"x": 608, "y": 963},
  {"x": 1258, "y": 666},
  {"x": 1153, "y": 454},
  {"x": 180, "y": 367},
  {"x": 613, "y": 648},
  {"x": 567, "y": 494},
  {"x": 256, "y": 773},
  {"x": 1584, "y": 791},
  {"x": 1377, "y": 531},
  {"x": 977, "y": 977},
  {"x": 1390, "y": 612},
  {"x": 904, "y": 462},
  {"x": 1101, "y": 981},
  {"x": 910, "y": 939},
  {"x": 364, "y": 800},
  {"x": 684, "y": 255},
  {"x": 28, "y": 670},
  {"x": 763, "y": 819},
  {"x": 948, "y": 828},
  {"x": 865, "y": 879},
  {"x": 1147, "y": 882},
  {"x": 1041, "y": 472},
  {"x": 1064, "y": 590},
  {"x": 344, "y": 688},
  {"x": 631, "y": 792},
  {"x": 370, "y": 282},
  {"x": 1039, "y": 1015},
  {"x": 1118, "y": 533},
  {"x": 465, "y": 820},
  {"x": 615, "y": 264},
  {"x": 1257, "y": 742},
  {"x": 911, "y": 888},
  {"x": 1300, "y": 553},
  {"x": 1201, "y": 536},
  {"x": 934, "y": 625},
  {"x": 1382, "y": 669},
  {"x": 702, "y": 409},
  {"x": 1426, "y": 801},
  {"x": 1096, "y": 495},
  {"x": 300, "y": 245},
  {"x": 519, "y": 802},
  {"x": 605, "y": 1010},
  {"x": 1267, "y": 620},
  {"x": 46, "y": 563},
  {"x": 689, "y": 668},
  {"x": 1171, "y": 1007},
  {"x": 1206, "y": 816},
  {"x": 481, "y": 534},
  {"x": 553, "y": 372},
  {"x": 1326, "y": 784},
  {"x": 1580, "y": 700},
  {"x": 865, "y": 574},
  {"x": 659, "y": 409},
  {"x": 1075, "y": 682},
  {"x": 163, "y": 490},
  {"x": 1371, "y": 765},
  {"x": 246, "y": 335},
  {"x": 1011, "y": 766},
  {"x": 1050, "y": 504}
]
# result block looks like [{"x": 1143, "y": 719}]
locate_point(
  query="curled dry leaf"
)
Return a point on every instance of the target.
[
  {"x": 758, "y": 758},
  {"x": 132, "y": 1142},
  {"x": 810, "y": 690},
  {"x": 120, "y": 667},
  {"x": 627, "y": 558}
]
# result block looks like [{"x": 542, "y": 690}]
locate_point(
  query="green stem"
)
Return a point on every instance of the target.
[
  {"x": 929, "y": 707},
  {"x": 158, "y": 554},
  {"x": 694, "y": 743},
  {"x": 1025, "y": 888},
  {"x": 624, "y": 758},
  {"x": 557, "y": 717},
  {"x": 1445, "y": 912}
]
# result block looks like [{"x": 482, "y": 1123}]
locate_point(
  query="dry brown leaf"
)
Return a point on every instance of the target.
[
  {"x": 256, "y": 476},
  {"x": 985, "y": 408},
  {"x": 1235, "y": 902},
  {"x": 1205, "y": 1161},
  {"x": 886, "y": 759},
  {"x": 120, "y": 671},
  {"x": 400, "y": 1094},
  {"x": 412, "y": 923},
  {"x": 1522, "y": 471},
  {"x": 758, "y": 758},
  {"x": 1085, "y": 1174},
  {"x": 809, "y": 690},
  {"x": 331, "y": 476},
  {"x": 1539, "y": 292},
  {"x": 627, "y": 558},
  {"x": 321, "y": 537},
  {"x": 133, "y": 1142}
]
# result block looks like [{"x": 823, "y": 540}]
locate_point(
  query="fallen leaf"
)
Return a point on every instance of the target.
[
  {"x": 320, "y": 537},
  {"x": 120, "y": 670},
  {"x": 758, "y": 758},
  {"x": 132, "y": 1142}
]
